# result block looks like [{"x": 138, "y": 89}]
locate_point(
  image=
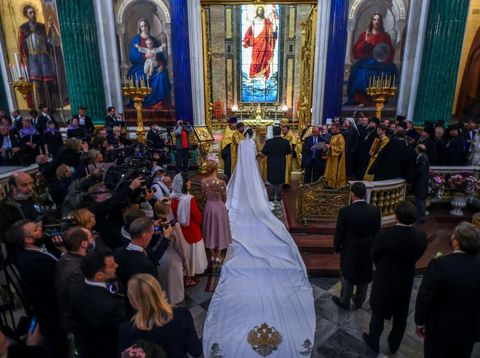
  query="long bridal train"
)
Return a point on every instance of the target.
[{"x": 263, "y": 303}]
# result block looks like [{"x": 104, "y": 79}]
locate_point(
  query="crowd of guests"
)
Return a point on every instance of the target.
[
  {"x": 447, "y": 315},
  {"x": 113, "y": 273}
]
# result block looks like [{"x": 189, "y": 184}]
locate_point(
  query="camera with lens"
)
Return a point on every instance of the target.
[
  {"x": 51, "y": 230},
  {"x": 164, "y": 225}
]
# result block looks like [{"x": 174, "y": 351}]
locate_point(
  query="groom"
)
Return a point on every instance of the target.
[{"x": 276, "y": 149}]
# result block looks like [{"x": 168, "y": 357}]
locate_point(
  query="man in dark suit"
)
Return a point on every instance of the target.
[
  {"x": 469, "y": 133},
  {"x": 36, "y": 266},
  {"x": 43, "y": 119},
  {"x": 111, "y": 120},
  {"x": 357, "y": 225},
  {"x": 395, "y": 251},
  {"x": 133, "y": 259},
  {"x": 447, "y": 311},
  {"x": 96, "y": 310},
  {"x": 312, "y": 160},
  {"x": 85, "y": 122},
  {"x": 276, "y": 149},
  {"x": 420, "y": 182}
]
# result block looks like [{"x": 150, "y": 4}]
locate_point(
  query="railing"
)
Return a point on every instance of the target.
[{"x": 316, "y": 203}]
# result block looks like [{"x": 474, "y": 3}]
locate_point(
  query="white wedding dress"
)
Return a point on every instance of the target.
[{"x": 263, "y": 278}]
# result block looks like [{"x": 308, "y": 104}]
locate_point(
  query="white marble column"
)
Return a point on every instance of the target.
[
  {"x": 321, "y": 48},
  {"x": 196, "y": 61},
  {"x": 412, "y": 57},
  {"x": 5, "y": 70},
  {"x": 107, "y": 44}
]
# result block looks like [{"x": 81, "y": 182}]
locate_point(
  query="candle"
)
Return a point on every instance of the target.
[
  {"x": 26, "y": 73},
  {"x": 131, "y": 81},
  {"x": 393, "y": 81},
  {"x": 148, "y": 83},
  {"x": 11, "y": 72},
  {"x": 370, "y": 81}
]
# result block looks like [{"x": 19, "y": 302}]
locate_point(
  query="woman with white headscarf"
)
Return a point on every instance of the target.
[{"x": 188, "y": 215}]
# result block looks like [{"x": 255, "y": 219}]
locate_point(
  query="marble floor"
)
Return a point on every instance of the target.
[{"x": 339, "y": 332}]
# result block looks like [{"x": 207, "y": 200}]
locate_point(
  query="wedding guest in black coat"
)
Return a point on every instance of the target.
[
  {"x": 427, "y": 138},
  {"x": 395, "y": 251},
  {"x": 52, "y": 139},
  {"x": 357, "y": 225},
  {"x": 96, "y": 311},
  {"x": 447, "y": 311},
  {"x": 455, "y": 147},
  {"x": 276, "y": 149},
  {"x": 420, "y": 182},
  {"x": 312, "y": 160},
  {"x": 157, "y": 321},
  {"x": 10, "y": 147},
  {"x": 44, "y": 118},
  {"x": 36, "y": 266},
  {"x": 111, "y": 120},
  {"x": 85, "y": 122}
]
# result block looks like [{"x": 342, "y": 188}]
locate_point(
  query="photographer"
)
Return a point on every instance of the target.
[
  {"x": 36, "y": 266},
  {"x": 154, "y": 138},
  {"x": 182, "y": 145},
  {"x": 159, "y": 188},
  {"x": 107, "y": 209}
]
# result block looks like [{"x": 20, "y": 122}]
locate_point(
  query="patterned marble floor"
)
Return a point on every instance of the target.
[{"x": 338, "y": 333}]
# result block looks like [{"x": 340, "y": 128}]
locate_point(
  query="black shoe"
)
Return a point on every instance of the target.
[
  {"x": 393, "y": 348},
  {"x": 339, "y": 303},
  {"x": 368, "y": 341}
]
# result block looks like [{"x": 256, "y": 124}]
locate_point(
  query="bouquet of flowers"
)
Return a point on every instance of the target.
[
  {"x": 436, "y": 185},
  {"x": 462, "y": 183}
]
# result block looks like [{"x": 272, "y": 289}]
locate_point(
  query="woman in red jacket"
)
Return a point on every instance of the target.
[{"x": 188, "y": 215}]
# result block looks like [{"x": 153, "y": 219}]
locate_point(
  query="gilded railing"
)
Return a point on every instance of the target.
[{"x": 316, "y": 203}]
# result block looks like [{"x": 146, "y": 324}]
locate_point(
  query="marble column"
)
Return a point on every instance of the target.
[
  {"x": 181, "y": 60},
  {"x": 321, "y": 48},
  {"x": 337, "y": 43},
  {"x": 105, "y": 20},
  {"x": 82, "y": 60},
  {"x": 441, "y": 57},
  {"x": 412, "y": 57},
  {"x": 9, "y": 102},
  {"x": 196, "y": 62}
]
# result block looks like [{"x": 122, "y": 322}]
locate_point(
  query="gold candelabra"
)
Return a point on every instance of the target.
[
  {"x": 137, "y": 90},
  {"x": 380, "y": 88},
  {"x": 23, "y": 86}
]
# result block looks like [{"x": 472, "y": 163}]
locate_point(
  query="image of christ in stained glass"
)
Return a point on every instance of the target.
[{"x": 260, "y": 28}]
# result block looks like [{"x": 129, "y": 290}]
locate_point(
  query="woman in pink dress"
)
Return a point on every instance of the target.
[{"x": 216, "y": 224}]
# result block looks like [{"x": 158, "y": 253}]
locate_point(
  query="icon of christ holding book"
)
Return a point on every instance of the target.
[{"x": 262, "y": 36}]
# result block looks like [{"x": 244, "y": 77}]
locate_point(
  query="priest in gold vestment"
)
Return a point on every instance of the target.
[
  {"x": 225, "y": 146},
  {"x": 288, "y": 134},
  {"x": 236, "y": 138},
  {"x": 335, "y": 169},
  {"x": 378, "y": 144}
]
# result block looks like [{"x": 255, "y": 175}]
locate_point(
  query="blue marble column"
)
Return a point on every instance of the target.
[
  {"x": 337, "y": 45},
  {"x": 181, "y": 60}
]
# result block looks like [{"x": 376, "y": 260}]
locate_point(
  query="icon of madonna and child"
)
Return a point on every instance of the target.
[
  {"x": 149, "y": 62},
  {"x": 374, "y": 53}
]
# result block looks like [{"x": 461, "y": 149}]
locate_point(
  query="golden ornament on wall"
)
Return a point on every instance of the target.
[{"x": 264, "y": 339}]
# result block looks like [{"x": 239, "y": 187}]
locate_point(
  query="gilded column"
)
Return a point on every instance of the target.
[
  {"x": 181, "y": 60},
  {"x": 82, "y": 60},
  {"x": 441, "y": 56}
]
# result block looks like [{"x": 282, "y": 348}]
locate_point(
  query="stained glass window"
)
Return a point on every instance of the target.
[{"x": 260, "y": 44}]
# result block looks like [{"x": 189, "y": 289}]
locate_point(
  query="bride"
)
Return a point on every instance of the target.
[{"x": 263, "y": 303}]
